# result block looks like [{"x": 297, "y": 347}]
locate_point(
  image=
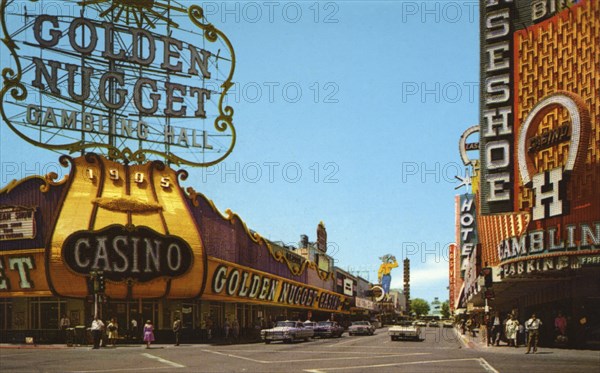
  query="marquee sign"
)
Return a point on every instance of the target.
[
  {"x": 235, "y": 282},
  {"x": 127, "y": 252},
  {"x": 17, "y": 223},
  {"x": 125, "y": 79}
]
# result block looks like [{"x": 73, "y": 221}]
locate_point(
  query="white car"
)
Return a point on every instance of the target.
[
  {"x": 361, "y": 327},
  {"x": 310, "y": 324},
  {"x": 287, "y": 331},
  {"x": 405, "y": 330}
]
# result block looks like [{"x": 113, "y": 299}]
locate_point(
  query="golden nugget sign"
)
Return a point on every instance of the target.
[
  {"x": 230, "y": 280},
  {"x": 125, "y": 78}
]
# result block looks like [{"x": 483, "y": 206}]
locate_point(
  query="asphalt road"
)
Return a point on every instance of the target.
[{"x": 440, "y": 350}]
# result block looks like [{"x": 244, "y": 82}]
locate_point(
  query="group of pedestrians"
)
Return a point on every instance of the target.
[
  {"x": 515, "y": 333},
  {"x": 98, "y": 328}
]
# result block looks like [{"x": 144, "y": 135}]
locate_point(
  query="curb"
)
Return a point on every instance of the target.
[{"x": 464, "y": 340}]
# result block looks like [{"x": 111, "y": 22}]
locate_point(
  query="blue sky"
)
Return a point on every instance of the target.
[{"x": 347, "y": 113}]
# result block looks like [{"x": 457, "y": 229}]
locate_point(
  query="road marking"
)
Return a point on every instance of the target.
[
  {"x": 379, "y": 356},
  {"x": 117, "y": 370},
  {"x": 349, "y": 358},
  {"x": 317, "y": 352},
  {"x": 164, "y": 361},
  {"x": 392, "y": 365},
  {"x": 237, "y": 356},
  {"x": 342, "y": 343},
  {"x": 487, "y": 366}
]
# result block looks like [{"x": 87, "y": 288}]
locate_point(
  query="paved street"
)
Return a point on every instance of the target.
[{"x": 441, "y": 349}]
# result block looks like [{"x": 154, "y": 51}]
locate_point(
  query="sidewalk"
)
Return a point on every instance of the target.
[
  {"x": 479, "y": 344},
  {"x": 216, "y": 341}
]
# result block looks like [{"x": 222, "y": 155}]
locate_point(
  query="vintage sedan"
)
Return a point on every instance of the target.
[
  {"x": 433, "y": 324},
  {"x": 405, "y": 330},
  {"x": 327, "y": 329},
  {"x": 448, "y": 324},
  {"x": 361, "y": 327},
  {"x": 287, "y": 331},
  {"x": 420, "y": 323}
]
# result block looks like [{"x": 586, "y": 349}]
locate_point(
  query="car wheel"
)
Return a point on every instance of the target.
[
  {"x": 351, "y": 334},
  {"x": 393, "y": 338},
  {"x": 267, "y": 342}
]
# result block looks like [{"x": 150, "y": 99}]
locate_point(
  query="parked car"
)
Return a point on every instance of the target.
[
  {"x": 361, "y": 327},
  {"x": 326, "y": 329},
  {"x": 287, "y": 331},
  {"x": 420, "y": 323},
  {"x": 376, "y": 323},
  {"x": 310, "y": 325},
  {"x": 433, "y": 324},
  {"x": 448, "y": 324},
  {"x": 405, "y": 330}
]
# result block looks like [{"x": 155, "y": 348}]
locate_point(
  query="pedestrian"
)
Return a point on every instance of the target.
[
  {"x": 470, "y": 324},
  {"x": 235, "y": 329},
  {"x": 226, "y": 329},
  {"x": 496, "y": 329},
  {"x": 148, "y": 333},
  {"x": 133, "y": 331},
  {"x": 521, "y": 335},
  {"x": 97, "y": 328},
  {"x": 113, "y": 331},
  {"x": 177, "y": 330},
  {"x": 489, "y": 327},
  {"x": 209, "y": 328},
  {"x": 533, "y": 329},
  {"x": 511, "y": 328},
  {"x": 65, "y": 322},
  {"x": 63, "y": 325},
  {"x": 560, "y": 325}
]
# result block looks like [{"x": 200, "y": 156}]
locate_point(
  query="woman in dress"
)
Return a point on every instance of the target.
[
  {"x": 113, "y": 331},
  {"x": 148, "y": 333},
  {"x": 512, "y": 326}
]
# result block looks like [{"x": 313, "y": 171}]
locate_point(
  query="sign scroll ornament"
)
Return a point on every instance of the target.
[{"x": 131, "y": 80}]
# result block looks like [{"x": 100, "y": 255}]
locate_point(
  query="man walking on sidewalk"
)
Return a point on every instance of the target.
[
  {"x": 97, "y": 328},
  {"x": 533, "y": 327},
  {"x": 177, "y": 330}
]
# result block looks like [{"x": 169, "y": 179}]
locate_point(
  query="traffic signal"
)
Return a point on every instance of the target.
[
  {"x": 101, "y": 285},
  {"x": 487, "y": 277}
]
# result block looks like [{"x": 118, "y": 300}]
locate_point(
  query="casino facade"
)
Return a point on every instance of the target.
[
  {"x": 131, "y": 93},
  {"x": 528, "y": 235},
  {"x": 169, "y": 253}
]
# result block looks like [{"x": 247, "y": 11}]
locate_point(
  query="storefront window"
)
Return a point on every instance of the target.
[
  {"x": 5, "y": 314},
  {"x": 45, "y": 313},
  {"x": 150, "y": 312}
]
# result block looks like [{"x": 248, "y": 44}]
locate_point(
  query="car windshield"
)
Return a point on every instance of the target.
[
  {"x": 325, "y": 323},
  {"x": 405, "y": 323},
  {"x": 360, "y": 323},
  {"x": 289, "y": 324}
]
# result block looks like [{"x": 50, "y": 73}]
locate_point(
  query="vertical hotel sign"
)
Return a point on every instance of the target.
[
  {"x": 130, "y": 80},
  {"x": 496, "y": 112}
]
